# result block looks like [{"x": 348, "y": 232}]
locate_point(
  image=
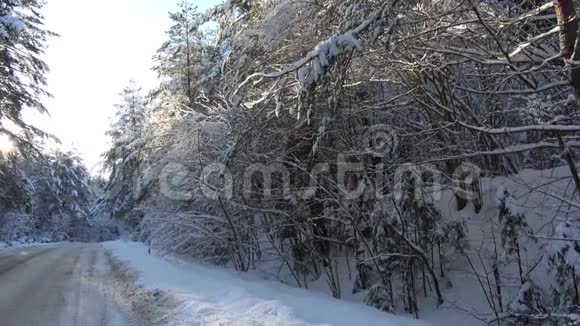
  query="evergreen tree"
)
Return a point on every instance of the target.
[
  {"x": 50, "y": 197},
  {"x": 22, "y": 72},
  {"x": 564, "y": 269},
  {"x": 15, "y": 190},
  {"x": 62, "y": 193},
  {"x": 180, "y": 58},
  {"x": 123, "y": 159},
  {"x": 513, "y": 225}
]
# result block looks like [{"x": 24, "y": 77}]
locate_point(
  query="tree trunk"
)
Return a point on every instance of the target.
[{"x": 570, "y": 48}]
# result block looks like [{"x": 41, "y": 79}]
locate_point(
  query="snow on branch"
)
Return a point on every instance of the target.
[
  {"x": 537, "y": 11},
  {"x": 534, "y": 40},
  {"x": 515, "y": 130},
  {"x": 10, "y": 24},
  {"x": 556, "y": 84},
  {"x": 515, "y": 149},
  {"x": 321, "y": 56}
]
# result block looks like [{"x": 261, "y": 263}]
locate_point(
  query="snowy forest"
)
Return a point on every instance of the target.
[{"x": 415, "y": 155}]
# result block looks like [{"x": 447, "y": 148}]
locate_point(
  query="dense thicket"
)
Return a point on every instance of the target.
[
  {"x": 323, "y": 137},
  {"x": 45, "y": 198}
]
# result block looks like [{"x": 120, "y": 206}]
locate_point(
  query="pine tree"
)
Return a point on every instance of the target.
[
  {"x": 529, "y": 301},
  {"x": 123, "y": 159},
  {"x": 180, "y": 58},
  {"x": 564, "y": 269},
  {"x": 62, "y": 194},
  {"x": 15, "y": 194},
  {"x": 50, "y": 197},
  {"x": 22, "y": 72},
  {"x": 513, "y": 225}
]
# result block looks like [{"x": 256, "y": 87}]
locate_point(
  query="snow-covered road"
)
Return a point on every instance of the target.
[{"x": 60, "y": 285}]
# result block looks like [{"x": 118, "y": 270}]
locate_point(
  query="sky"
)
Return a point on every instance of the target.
[{"x": 102, "y": 46}]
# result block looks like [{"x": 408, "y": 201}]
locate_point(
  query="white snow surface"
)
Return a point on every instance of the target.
[
  {"x": 214, "y": 296},
  {"x": 23, "y": 244},
  {"x": 546, "y": 198}
]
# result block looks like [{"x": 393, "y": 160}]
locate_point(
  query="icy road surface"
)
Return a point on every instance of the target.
[{"x": 62, "y": 285}]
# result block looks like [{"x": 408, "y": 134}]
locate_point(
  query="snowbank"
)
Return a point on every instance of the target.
[
  {"x": 216, "y": 297},
  {"x": 18, "y": 245}
]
